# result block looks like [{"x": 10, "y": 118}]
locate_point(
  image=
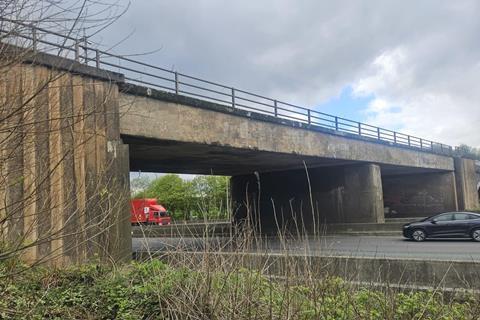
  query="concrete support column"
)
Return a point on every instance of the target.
[
  {"x": 363, "y": 197},
  {"x": 466, "y": 181},
  {"x": 64, "y": 172}
]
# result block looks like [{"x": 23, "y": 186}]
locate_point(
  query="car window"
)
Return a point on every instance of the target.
[
  {"x": 461, "y": 216},
  {"x": 473, "y": 216},
  {"x": 444, "y": 217}
]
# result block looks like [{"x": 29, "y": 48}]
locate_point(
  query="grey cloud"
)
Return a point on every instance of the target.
[{"x": 306, "y": 51}]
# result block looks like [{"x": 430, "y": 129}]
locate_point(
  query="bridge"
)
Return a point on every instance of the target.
[{"x": 76, "y": 122}]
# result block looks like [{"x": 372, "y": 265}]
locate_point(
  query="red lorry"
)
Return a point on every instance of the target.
[{"x": 148, "y": 211}]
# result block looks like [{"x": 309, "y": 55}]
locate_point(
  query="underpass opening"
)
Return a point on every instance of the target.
[{"x": 275, "y": 189}]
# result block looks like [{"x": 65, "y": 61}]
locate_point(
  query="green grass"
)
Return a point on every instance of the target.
[{"x": 154, "y": 290}]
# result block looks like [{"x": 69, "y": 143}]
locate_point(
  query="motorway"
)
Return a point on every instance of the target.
[{"x": 338, "y": 245}]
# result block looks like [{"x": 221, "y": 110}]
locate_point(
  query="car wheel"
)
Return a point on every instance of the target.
[
  {"x": 419, "y": 235},
  {"x": 476, "y": 234}
]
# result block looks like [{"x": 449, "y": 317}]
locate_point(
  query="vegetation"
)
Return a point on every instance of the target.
[
  {"x": 466, "y": 151},
  {"x": 154, "y": 290},
  {"x": 204, "y": 197}
]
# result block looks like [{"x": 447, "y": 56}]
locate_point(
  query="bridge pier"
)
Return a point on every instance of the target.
[{"x": 296, "y": 201}]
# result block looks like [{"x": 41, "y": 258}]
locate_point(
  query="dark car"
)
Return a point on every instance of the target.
[{"x": 445, "y": 225}]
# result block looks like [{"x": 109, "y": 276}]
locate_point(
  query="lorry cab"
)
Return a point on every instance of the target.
[{"x": 148, "y": 211}]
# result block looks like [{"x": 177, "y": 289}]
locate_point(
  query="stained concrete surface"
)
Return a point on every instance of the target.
[{"x": 347, "y": 246}]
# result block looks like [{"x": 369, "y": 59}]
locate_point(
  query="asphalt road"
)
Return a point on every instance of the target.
[{"x": 354, "y": 246}]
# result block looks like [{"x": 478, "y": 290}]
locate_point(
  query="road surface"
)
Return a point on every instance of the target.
[{"x": 354, "y": 246}]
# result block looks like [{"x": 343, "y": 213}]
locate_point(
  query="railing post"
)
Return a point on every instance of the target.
[
  {"x": 378, "y": 134},
  {"x": 421, "y": 143},
  {"x": 85, "y": 48},
  {"x": 336, "y": 123},
  {"x": 359, "y": 129},
  {"x": 34, "y": 38},
  {"x": 233, "y": 97},
  {"x": 77, "y": 51},
  {"x": 309, "y": 117},
  {"x": 408, "y": 139},
  {"x": 97, "y": 58},
  {"x": 176, "y": 82},
  {"x": 275, "y": 108},
  {"x": 395, "y": 137}
]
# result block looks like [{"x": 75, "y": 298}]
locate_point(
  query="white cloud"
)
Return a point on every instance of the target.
[{"x": 420, "y": 61}]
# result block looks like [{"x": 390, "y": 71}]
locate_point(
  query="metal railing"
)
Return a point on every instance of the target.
[{"x": 145, "y": 74}]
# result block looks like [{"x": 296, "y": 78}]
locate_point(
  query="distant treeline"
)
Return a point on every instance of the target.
[
  {"x": 466, "y": 151},
  {"x": 204, "y": 197}
]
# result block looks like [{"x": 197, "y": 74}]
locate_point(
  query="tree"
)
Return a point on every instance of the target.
[
  {"x": 211, "y": 196},
  {"x": 203, "y": 197},
  {"x": 467, "y": 151},
  {"x": 172, "y": 192}
]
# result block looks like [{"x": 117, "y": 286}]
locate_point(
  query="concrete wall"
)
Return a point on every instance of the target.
[
  {"x": 420, "y": 194},
  {"x": 152, "y": 114},
  {"x": 64, "y": 170},
  {"x": 465, "y": 174},
  {"x": 281, "y": 200}
]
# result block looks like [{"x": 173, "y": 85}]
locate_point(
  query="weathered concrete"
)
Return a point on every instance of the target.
[
  {"x": 467, "y": 192},
  {"x": 146, "y": 117},
  {"x": 295, "y": 201},
  {"x": 64, "y": 170},
  {"x": 419, "y": 195}
]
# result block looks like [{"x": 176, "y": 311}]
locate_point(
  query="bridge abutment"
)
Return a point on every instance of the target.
[
  {"x": 466, "y": 182},
  {"x": 64, "y": 171}
]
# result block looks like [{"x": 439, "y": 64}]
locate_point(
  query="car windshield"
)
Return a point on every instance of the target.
[{"x": 428, "y": 218}]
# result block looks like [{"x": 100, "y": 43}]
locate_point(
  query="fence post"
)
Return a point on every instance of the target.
[
  {"x": 408, "y": 139},
  {"x": 233, "y": 97},
  {"x": 378, "y": 133},
  {"x": 176, "y": 82},
  {"x": 97, "y": 58},
  {"x": 336, "y": 123},
  {"x": 395, "y": 137},
  {"x": 275, "y": 108},
  {"x": 421, "y": 143},
  {"x": 359, "y": 129},
  {"x": 309, "y": 117}
]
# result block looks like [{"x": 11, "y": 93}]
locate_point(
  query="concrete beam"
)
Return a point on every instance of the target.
[{"x": 149, "y": 118}]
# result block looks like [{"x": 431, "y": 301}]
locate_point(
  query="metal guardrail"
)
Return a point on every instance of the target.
[{"x": 141, "y": 73}]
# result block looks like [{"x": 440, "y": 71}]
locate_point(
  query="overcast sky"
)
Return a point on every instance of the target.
[{"x": 413, "y": 66}]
